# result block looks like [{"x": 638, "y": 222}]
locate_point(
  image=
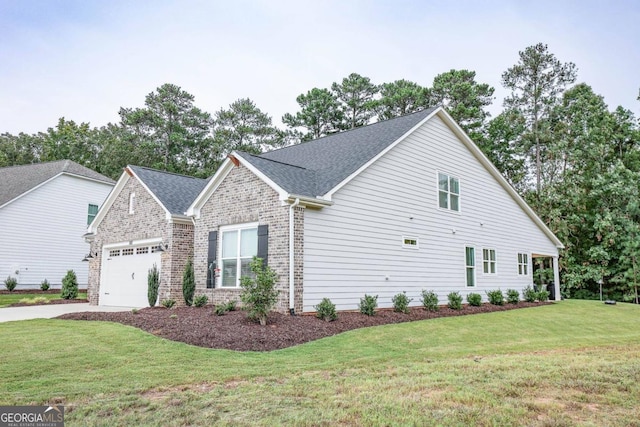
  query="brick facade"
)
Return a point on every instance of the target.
[
  {"x": 241, "y": 198},
  {"x": 147, "y": 222}
]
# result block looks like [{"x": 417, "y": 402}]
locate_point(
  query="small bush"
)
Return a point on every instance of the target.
[
  {"x": 474, "y": 299},
  {"x": 543, "y": 295},
  {"x": 134, "y": 311},
  {"x": 326, "y": 310},
  {"x": 455, "y": 300},
  {"x": 168, "y": 303},
  {"x": 44, "y": 286},
  {"x": 368, "y": 305},
  {"x": 173, "y": 316},
  {"x": 513, "y": 296},
  {"x": 153, "y": 282},
  {"x": 259, "y": 295},
  {"x": 529, "y": 294},
  {"x": 401, "y": 303},
  {"x": 231, "y": 305},
  {"x": 430, "y": 300},
  {"x": 200, "y": 300},
  {"x": 496, "y": 297},
  {"x": 220, "y": 310},
  {"x": 188, "y": 283},
  {"x": 69, "y": 286},
  {"x": 10, "y": 283}
]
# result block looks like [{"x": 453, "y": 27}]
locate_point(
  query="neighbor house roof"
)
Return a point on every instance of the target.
[
  {"x": 175, "y": 192},
  {"x": 313, "y": 168},
  {"x": 17, "y": 180}
]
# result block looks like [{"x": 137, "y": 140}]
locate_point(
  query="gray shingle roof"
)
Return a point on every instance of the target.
[
  {"x": 313, "y": 168},
  {"x": 16, "y": 180},
  {"x": 175, "y": 192}
]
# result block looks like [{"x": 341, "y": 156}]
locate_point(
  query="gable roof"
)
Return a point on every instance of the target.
[
  {"x": 314, "y": 168},
  {"x": 175, "y": 192},
  {"x": 17, "y": 180}
]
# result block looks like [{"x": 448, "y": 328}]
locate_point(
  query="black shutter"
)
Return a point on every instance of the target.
[
  {"x": 263, "y": 243},
  {"x": 211, "y": 259}
]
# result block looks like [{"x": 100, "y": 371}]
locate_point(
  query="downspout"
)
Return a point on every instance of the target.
[{"x": 292, "y": 305}]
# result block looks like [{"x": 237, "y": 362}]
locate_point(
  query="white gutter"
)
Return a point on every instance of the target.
[{"x": 292, "y": 305}]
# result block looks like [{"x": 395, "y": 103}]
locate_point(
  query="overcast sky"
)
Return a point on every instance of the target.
[{"x": 85, "y": 59}]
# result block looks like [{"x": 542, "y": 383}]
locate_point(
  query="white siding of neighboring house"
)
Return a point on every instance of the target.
[
  {"x": 355, "y": 246},
  {"x": 42, "y": 231}
]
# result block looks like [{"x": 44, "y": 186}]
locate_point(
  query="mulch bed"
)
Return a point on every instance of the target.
[
  {"x": 233, "y": 331},
  {"x": 49, "y": 302}
]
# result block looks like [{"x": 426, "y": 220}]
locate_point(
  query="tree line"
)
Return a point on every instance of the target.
[{"x": 575, "y": 161}]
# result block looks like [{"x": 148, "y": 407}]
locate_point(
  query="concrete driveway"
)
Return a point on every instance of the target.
[{"x": 10, "y": 314}]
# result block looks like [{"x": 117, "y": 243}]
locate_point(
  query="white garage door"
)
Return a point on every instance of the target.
[{"x": 124, "y": 275}]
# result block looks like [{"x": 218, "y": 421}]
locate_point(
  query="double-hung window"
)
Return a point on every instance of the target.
[
  {"x": 489, "y": 261},
  {"x": 448, "y": 192},
  {"x": 91, "y": 213},
  {"x": 470, "y": 264},
  {"x": 239, "y": 244},
  {"x": 523, "y": 264}
]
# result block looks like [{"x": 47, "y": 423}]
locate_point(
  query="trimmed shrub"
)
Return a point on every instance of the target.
[
  {"x": 44, "y": 286},
  {"x": 430, "y": 300},
  {"x": 529, "y": 294},
  {"x": 326, "y": 310},
  {"x": 220, "y": 310},
  {"x": 69, "y": 286},
  {"x": 496, "y": 297},
  {"x": 513, "y": 296},
  {"x": 188, "y": 283},
  {"x": 231, "y": 305},
  {"x": 474, "y": 299},
  {"x": 259, "y": 295},
  {"x": 168, "y": 303},
  {"x": 153, "y": 282},
  {"x": 401, "y": 303},
  {"x": 10, "y": 283},
  {"x": 455, "y": 300},
  {"x": 368, "y": 305},
  {"x": 542, "y": 295},
  {"x": 200, "y": 300}
]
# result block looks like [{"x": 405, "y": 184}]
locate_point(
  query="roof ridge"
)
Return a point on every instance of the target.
[
  {"x": 168, "y": 173},
  {"x": 277, "y": 161},
  {"x": 353, "y": 129},
  {"x": 32, "y": 164}
]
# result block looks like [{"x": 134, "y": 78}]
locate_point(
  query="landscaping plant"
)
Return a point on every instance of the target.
[
  {"x": 513, "y": 296},
  {"x": 368, "y": 305},
  {"x": 69, "y": 286},
  {"x": 474, "y": 299},
  {"x": 496, "y": 297},
  {"x": 153, "y": 282},
  {"x": 200, "y": 300},
  {"x": 401, "y": 303},
  {"x": 542, "y": 295},
  {"x": 44, "y": 286},
  {"x": 10, "y": 283},
  {"x": 430, "y": 300},
  {"x": 188, "y": 283},
  {"x": 168, "y": 303},
  {"x": 529, "y": 294},
  {"x": 326, "y": 310},
  {"x": 259, "y": 295},
  {"x": 455, "y": 300}
]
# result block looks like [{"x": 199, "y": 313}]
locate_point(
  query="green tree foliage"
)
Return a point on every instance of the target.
[
  {"x": 464, "y": 98},
  {"x": 19, "y": 150},
  {"x": 188, "y": 283},
  {"x": 153, "y": 283},
  {"x": 259, "y": 294},
  {"x": 320, "y": 114},
  {"x": 356, "y": 94},
  {"x": 69, "y": 286},
  {"x": 177, "y": 130},
  {"x": 536, "y": 83},
  {"x": 244, "y": 127},
  {"x": 399, "y": 98},
  {"x": 69, "y": 140}
]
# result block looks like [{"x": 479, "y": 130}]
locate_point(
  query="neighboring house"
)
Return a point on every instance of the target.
[
  {"x": 44, "y": 211},
  {"x": 141, "y": 223},
  {"x": 401, "y": 205}
]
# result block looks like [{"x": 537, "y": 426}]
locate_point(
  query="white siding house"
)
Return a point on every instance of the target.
[
  {"x": 43, "y": 224},
  {"x": 357, "y": 246}
]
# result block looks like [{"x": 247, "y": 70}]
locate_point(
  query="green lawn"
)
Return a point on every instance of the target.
[
  {"x": 570, "y": 363},
  {"x": 16, "y": 296}
]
